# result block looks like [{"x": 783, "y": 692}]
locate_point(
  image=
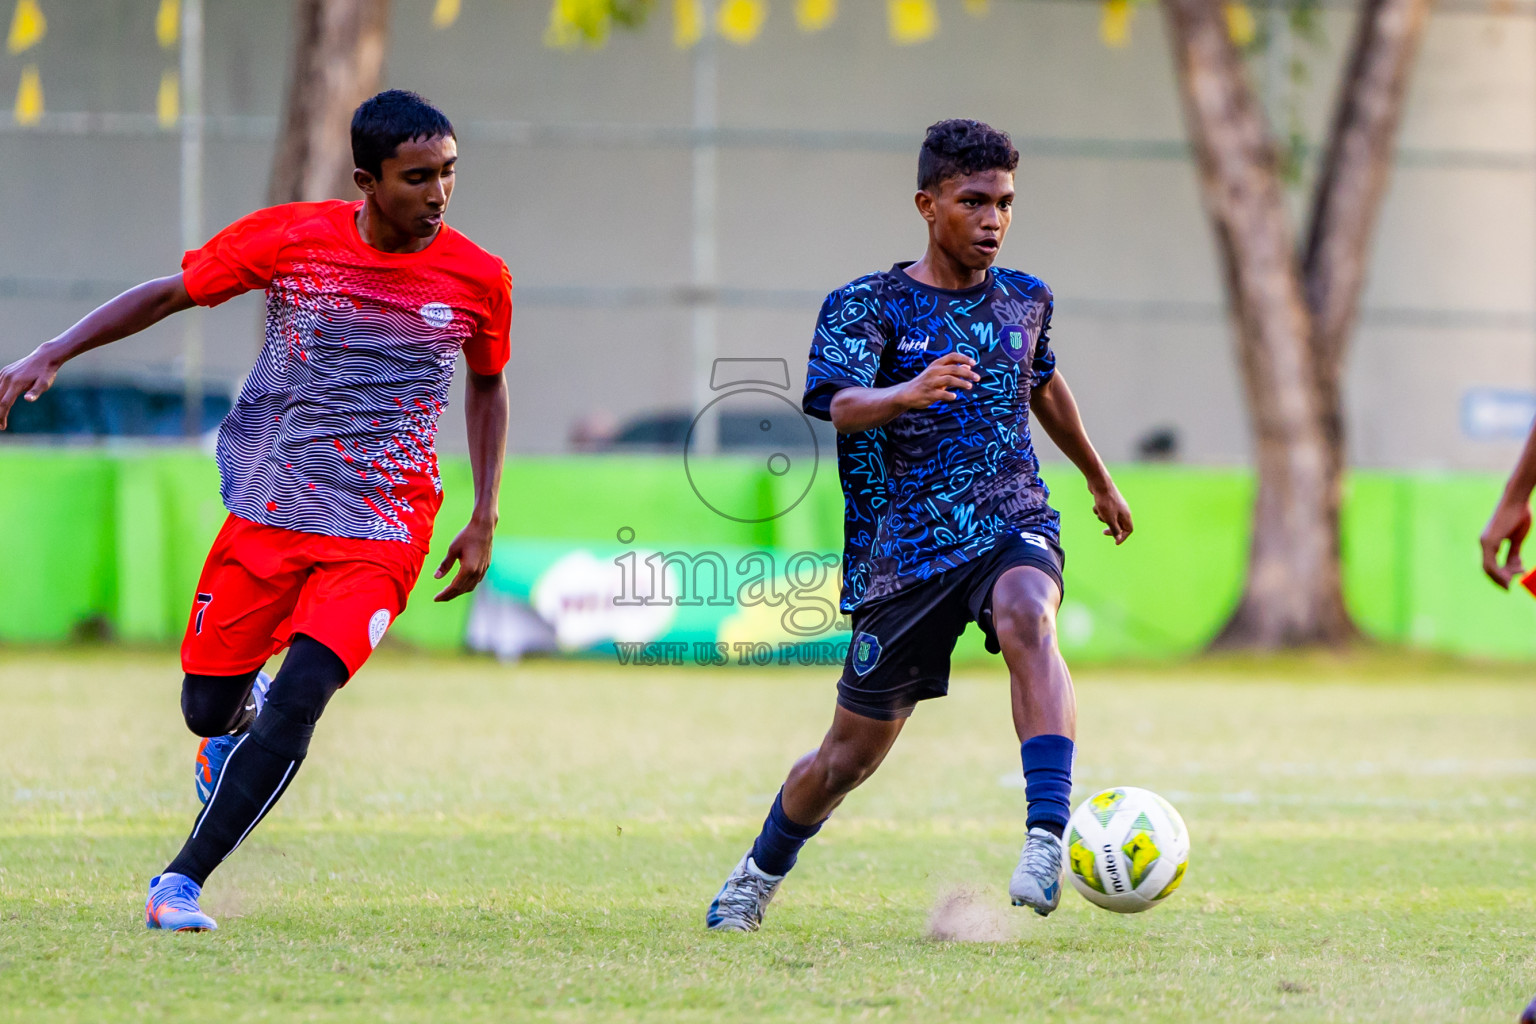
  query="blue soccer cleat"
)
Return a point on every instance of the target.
[
  {"x": 215, "y": 750},
  {"x": 259, "y": 690},
  {"x": 1036, "y": 882},
  {"x": 211, "y": 755},
  {"x": 172, "y": 905},
  {"x": 743, "y": 899}
]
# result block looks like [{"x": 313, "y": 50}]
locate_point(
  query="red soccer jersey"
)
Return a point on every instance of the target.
[{"x": 333, "y": 430}]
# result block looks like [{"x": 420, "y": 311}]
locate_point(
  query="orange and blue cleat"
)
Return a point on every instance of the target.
[
  {"x": 215, "y": 750},
  {"x": 211, "y": 755},
  {"x": 172, "y": 905}
]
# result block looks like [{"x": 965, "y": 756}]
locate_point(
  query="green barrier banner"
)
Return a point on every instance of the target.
[
  {"x": 663, "y": 605},
  {"x": 98, "y": 543}
]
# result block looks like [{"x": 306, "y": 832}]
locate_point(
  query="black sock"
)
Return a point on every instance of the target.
[
  {"x": 778, "y": 845},
  {"x": 254, "y": 777},
  {"x": 266, "y": 759}
]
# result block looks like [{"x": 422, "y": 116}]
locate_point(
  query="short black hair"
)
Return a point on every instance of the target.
[
  {"x": 960, "y": 146},
  {"x": 384, "y": 121}
]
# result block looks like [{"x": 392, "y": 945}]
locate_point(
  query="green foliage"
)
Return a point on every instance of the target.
[
  {"x": 477, "y": 842},
  {"x": 1305, "y": 17},
  {"x": 630, "y": 13},
  {"x": 1303, "y": 40},
  {"x": 574, "y": 23}
]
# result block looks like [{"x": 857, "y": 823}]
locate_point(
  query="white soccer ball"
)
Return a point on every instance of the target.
[{"x": 1127, "y": 849}]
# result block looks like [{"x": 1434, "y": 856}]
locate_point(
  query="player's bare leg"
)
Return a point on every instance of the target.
[
  {"x": 850, "y": 752},
  {"x": 1024, "y": 604}
]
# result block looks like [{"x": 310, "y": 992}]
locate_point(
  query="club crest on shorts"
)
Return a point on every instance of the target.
[
  {"x": 437, "y": 314},
  {"x": 377, "y": 625},
  {"x": 866, "y": 652},
  {"x": 1015, "y": 342}
]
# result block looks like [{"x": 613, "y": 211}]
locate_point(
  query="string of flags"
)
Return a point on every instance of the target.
[
  {"x": 28, "y": 27},
  {"x": 588, "y": 23},
  {"x": 445, "y": 13},
  {"x": 1115, "y": 23},
  {"x": 578, "y": 23},
  {"x": 168, "y": 35}
]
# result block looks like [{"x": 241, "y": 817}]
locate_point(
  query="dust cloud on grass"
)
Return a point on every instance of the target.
[{"x": 964, "y": 914}]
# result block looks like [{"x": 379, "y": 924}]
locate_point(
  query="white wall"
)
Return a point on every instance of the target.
[{"x": 597, "y": 234}]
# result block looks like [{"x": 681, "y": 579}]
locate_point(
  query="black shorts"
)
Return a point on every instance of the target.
[{"x": 901, "y": 645}]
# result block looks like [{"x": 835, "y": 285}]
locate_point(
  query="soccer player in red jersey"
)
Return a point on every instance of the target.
[{"x": 327, "y": 460}]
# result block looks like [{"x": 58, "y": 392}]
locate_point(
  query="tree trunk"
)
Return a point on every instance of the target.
[
  {"x": 1347, "y": 197},
  {"x": 338, "y": 53},
  {"x": 1293, "y": 318},
  {"x": 1293, "y": 594}
]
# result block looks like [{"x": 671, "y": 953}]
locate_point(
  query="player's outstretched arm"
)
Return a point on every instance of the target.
[
  {"x": 486, "y": 407},
  {"x": 1055, "y": 409},
  {"x": 1511, "y": 519},
  {"x": 856, "y": 409},
  {"x": 129, "y": 313}
]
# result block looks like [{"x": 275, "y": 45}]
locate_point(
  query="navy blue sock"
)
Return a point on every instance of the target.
[
  {"x": 1048, "y": 782},
  {"x": 778, "y": 844}
]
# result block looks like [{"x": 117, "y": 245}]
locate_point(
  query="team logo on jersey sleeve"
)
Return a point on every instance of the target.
[
  {"x": 437, "y": 314},
  {"x": 866, "y": 652}
]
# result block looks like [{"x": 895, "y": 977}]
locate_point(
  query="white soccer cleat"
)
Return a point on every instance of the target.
[
  {"x": 259, "y": 688},
  {"x": 1036, "y": 882},
  {"x": 743, "y": 899}
]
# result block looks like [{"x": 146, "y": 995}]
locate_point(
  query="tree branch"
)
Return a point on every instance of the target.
[{"x": 1356, "y": 167}]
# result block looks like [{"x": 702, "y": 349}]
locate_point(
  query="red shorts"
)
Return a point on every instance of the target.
[{"x": 262, "y": 584}]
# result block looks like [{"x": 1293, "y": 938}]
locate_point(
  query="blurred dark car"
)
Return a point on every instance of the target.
[
  {"x": 103, "y": 408},
  {"x": 741, "y": 429}
]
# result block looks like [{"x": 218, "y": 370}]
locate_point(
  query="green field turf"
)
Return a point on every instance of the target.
[{"x": 476, "y": 842}]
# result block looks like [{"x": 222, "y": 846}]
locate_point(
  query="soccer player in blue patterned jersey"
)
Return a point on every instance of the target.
[{"x": 930, "y": 372}]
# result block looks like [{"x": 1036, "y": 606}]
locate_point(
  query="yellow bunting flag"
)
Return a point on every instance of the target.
[
  {"x": 28, "y": 26},
  {"x": 168, "y": 23},
  {"x": 574, "y": 22},
  {"x": 815, "y": 15},
  {"x": 29, "y": 98},
  {"x": 912, "y": 21},
  {"x": 445, "y": 13},
  {"x": 687, "y": 22},
  {"x": 168, "y": 100},
  {"x": 1240, "y": 24},
  {"x": 976, "y": 8},
  {"x": 741, "y": 20},
  {"x": 1115, "y": 27}
]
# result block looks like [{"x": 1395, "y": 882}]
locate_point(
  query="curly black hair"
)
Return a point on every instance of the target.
[{"x": 961, "y": 146}]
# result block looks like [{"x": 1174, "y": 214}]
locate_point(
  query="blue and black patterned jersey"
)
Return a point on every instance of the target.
[{"x": 934, "y": 487}]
